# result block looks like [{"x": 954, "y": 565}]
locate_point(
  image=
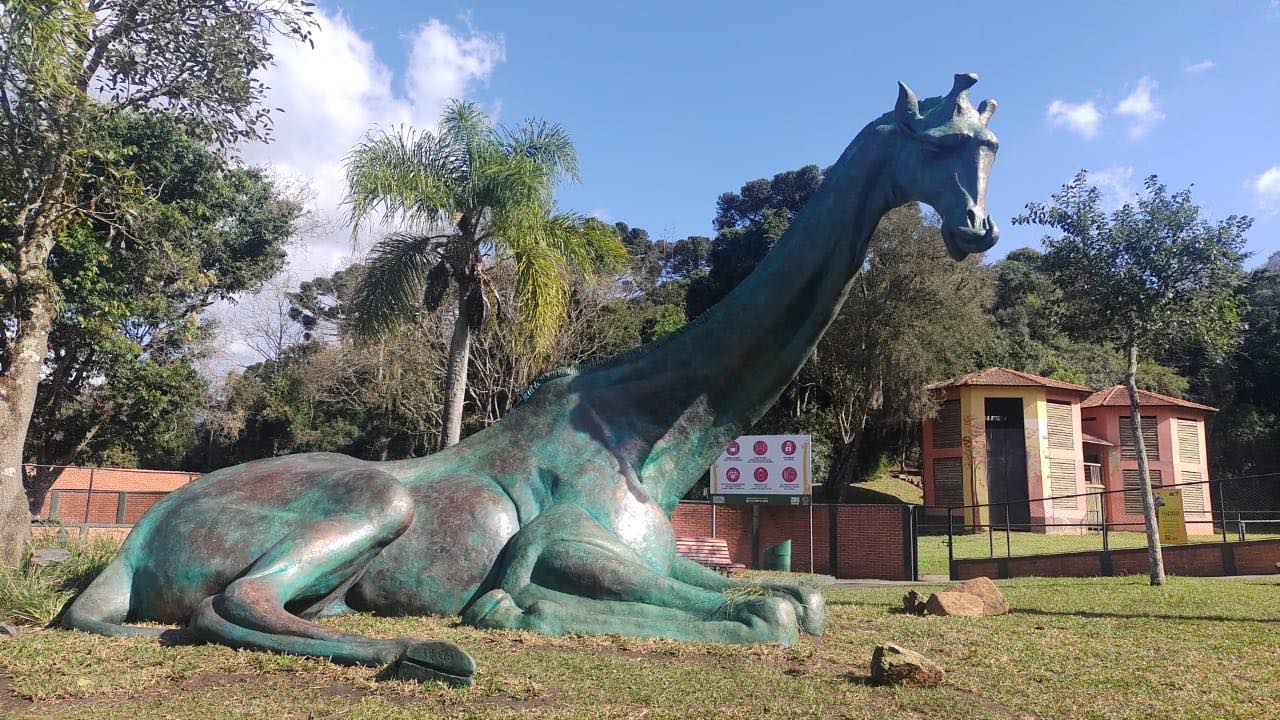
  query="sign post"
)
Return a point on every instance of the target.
[{"x": 760, "y": 470}]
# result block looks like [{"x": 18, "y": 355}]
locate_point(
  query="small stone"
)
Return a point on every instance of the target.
[
  {"x": 895, "y": 665},
  {"x": 993, "y": 601},
  {"x": 7, "y": 631},
  {"x": 913, "y": 603},
  {"x": 44, "y": 557},
  {"x": 951, "y": 603}
]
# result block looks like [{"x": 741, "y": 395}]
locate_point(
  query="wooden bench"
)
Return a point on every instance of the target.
[{"x": 709, "y": 551}]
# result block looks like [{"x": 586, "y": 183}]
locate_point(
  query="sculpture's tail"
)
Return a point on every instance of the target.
[{"x": 103, "y": 607}]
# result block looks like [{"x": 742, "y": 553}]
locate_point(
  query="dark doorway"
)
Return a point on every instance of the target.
[{"x": 1007, "y": 464}]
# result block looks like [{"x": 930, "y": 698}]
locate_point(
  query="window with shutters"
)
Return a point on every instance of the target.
[
  {"x": 1189, "y": 441},
  {"x": 1192, "y": 495},
  {"x": 948, "y": 482},
  {"x": 1062, "y": 433},
  {"x": 1062, "y": 481},
  {"x": 946, "y": 428},
  {"x": 1132, "y": 495},
  {"x": 1150, "y": 438}
]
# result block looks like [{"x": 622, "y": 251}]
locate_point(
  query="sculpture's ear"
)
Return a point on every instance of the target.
[
  {"x": 986, "y": 109},
  {"x": 907, "y": 112}
]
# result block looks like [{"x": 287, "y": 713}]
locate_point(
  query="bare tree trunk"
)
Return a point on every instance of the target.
[
  {"x": 455, "y": 378},
  {"x": 1154, "y": 555}
]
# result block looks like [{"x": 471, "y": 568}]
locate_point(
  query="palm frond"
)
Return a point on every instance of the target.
[
  {"x": 391, "y": 289},
  {"x": 547, "y": 145},
  {"x": 403, "y": 174},
  {"x": 541, "y": 295}
]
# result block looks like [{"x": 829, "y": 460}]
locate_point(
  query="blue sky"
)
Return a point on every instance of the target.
[{"x": 672, "y": 103}]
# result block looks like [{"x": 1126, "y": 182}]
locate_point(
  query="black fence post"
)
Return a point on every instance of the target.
[
  {"x": 1106, "y": 540},
  {"x": 991, "y": 533},
  {"x": 951, "y": 544},
  {"x": 1222, "y": 510},
  {"x": 1008, "y": 534}
]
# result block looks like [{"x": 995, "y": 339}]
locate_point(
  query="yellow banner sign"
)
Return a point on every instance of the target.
[{"x": 1169, "y": 516}]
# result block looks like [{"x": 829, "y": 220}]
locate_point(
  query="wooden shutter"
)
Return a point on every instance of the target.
[
  {"x": 1062, "y": 432},
  {"x": 1132, "y": 495},
  {"x": 1193, "y": 496},
  {"x": 1189, "y": 441},
  {"x": 948, "y": 482},
  {"x": 946, "y": 428},
  {"x": 1150, "y": 438},
  {"x": 1062, "y": 481}
]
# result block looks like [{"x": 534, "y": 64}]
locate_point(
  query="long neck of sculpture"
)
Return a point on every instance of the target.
[{"x": 674, "y": 408}]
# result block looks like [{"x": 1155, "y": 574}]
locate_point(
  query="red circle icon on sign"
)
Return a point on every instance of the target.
[
  {"x": 732, "y": 474},
  {"x": 760, "y": 447},
  {"x": 762, "y": 474},
  {"x": 789, "y": 474},
  {"x": 734, "y": 448},
  {"x": 788, "y": 447}
]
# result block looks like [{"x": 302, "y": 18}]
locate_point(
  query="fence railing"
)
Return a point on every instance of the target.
[{"x": 1228, "y": 510}]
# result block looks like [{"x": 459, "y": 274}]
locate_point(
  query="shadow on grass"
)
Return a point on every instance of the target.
[{"x": 1140, "y": 616}]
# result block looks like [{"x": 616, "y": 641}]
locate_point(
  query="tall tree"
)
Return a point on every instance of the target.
[
  {"x": 119, "y": 380},
  {"x": 66, "y": 67},
  {"x": 470, "y": 194},
  {"x": 914, "y": 315},
  {"x": 1147, "y": 276}
]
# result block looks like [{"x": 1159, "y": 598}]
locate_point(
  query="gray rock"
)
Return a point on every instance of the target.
[
  {"x": 44, "y": 557},
  {"x": 913, "y": 603},
  {"x": 895, "y": 665}
]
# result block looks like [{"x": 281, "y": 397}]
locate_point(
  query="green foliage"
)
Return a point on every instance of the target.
[
  {"x": 34, "y": 595},
  {"x": 122, "y": 382},
  {"x": 1151, "y": 274},
  {"x": 1245, "y": 437},
  {"x": 472, "y": 191}
]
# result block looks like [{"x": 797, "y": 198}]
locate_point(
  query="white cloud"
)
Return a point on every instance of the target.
[
  {"x": 335, "y": 93},
  {"x": 443, "y": 64},
  {"x": 1266, "y": 190},
  {"x": 1200, "y": 67},
  {"x": 1082, "y": 119},
  {"x": 1141, "y": 108},
  {"x": 1116, "y": 184}
]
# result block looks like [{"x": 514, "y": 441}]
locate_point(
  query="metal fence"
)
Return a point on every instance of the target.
[{"x": 1228, "y": 510}]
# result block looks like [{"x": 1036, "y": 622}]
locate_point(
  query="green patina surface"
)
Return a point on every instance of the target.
[{"x": 556, "y": 518}]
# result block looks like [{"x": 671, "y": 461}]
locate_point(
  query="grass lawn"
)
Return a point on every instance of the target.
[
  {"x": 1104, "y": 648},
  {"x": 933, "y": 548}
]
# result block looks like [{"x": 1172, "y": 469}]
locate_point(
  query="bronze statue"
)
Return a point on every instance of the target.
[{"x": 556, "y": 518}]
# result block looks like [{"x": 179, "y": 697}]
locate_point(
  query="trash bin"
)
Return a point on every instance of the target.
[{"x": 778, "y": 557}]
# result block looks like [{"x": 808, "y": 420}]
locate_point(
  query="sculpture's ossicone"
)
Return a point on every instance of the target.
[{"x": 554, "y": 519}]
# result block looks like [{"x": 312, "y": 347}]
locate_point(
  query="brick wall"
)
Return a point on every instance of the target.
[
  {"x": 74, "y": 488},
  {"x": 1256, "y": 557},
  {"x": 870, "y": 539}
]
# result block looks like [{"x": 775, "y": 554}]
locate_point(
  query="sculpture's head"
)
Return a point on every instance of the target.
[{"x": 945, "y": 157}]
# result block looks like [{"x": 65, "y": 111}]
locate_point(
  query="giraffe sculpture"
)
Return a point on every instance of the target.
[{"x": 556, "y": 518}]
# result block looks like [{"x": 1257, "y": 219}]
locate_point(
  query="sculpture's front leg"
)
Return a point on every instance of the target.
[
  {"x": 568, "y": 574},
  {"x": 809, "y": 604}
]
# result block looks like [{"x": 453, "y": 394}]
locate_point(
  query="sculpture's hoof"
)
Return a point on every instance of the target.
[
  {"x": 435, "y": 660},
  {"x": 811, "y": 611},
  {"x": 495, "y": 610}
]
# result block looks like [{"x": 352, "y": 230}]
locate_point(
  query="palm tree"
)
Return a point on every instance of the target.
[{"x": 470, "y": 194}]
